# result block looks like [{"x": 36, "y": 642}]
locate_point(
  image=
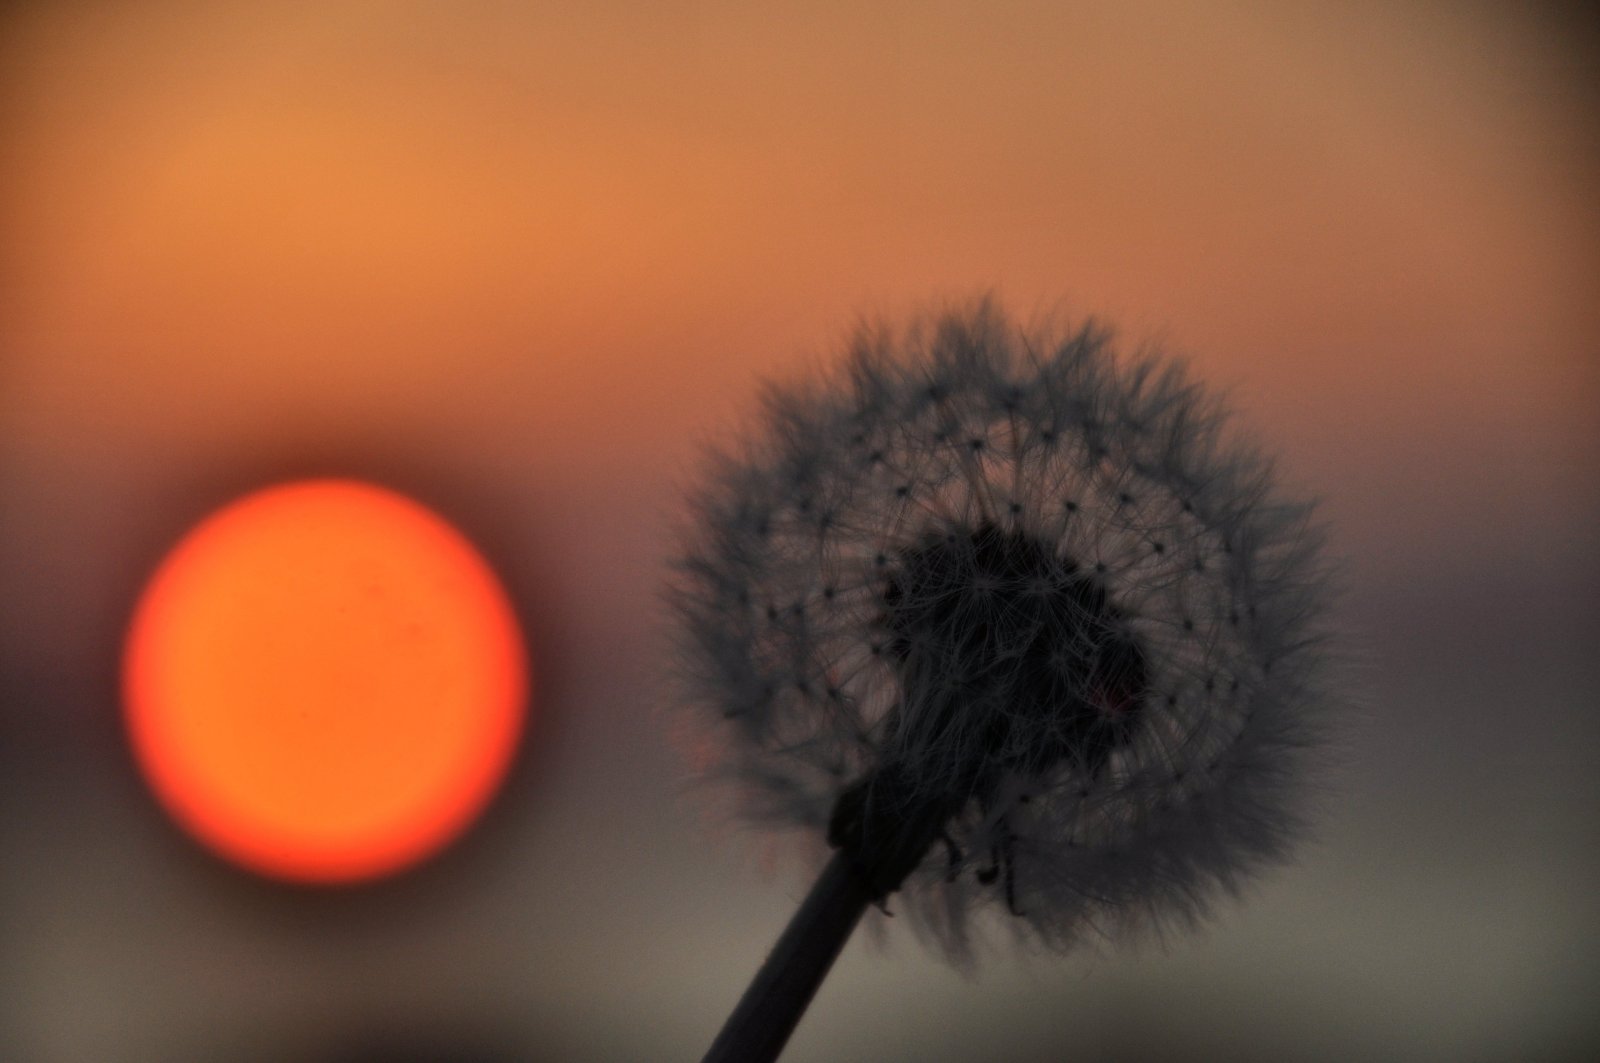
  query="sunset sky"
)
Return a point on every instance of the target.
[{"x": 522, "y": 261}]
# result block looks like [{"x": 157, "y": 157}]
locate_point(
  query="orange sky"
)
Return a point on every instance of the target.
[{"x": 369, "y": 205}]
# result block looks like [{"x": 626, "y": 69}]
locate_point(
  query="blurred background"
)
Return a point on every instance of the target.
[{"x": 521, "y": 260}]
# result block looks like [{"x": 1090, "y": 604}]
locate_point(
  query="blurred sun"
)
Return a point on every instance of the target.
[{"x": 324, "y": 682}]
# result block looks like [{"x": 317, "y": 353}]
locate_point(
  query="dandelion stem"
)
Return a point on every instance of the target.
[{"x": 771, "y": 1008}]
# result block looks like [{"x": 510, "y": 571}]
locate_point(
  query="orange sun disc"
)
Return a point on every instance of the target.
[{"x": 324, "y": 682}]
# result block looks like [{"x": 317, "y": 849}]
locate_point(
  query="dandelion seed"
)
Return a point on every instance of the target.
[{"x": 1031, "y": 578}]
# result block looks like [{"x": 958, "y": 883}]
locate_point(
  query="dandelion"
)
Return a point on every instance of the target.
[{"x": 1018, "y": 629}]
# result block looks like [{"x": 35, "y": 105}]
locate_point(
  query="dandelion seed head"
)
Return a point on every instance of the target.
[{"x": 992, "y": 587}]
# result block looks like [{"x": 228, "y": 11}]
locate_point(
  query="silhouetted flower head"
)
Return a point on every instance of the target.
[{"x": 1014, "y": 625}]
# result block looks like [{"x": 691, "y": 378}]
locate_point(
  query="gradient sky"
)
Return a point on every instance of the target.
[{"x": 521, "y": 263}]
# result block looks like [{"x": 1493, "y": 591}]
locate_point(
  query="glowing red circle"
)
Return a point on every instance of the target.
[{"x": 324, "y": 681}]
